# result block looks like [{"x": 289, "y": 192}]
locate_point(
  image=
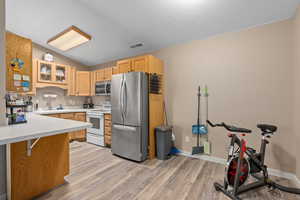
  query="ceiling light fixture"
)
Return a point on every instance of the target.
[{"x": 69, "y": 38}]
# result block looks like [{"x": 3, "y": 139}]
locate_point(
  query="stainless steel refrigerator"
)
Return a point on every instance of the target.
[{"x": 129, "y": 100}]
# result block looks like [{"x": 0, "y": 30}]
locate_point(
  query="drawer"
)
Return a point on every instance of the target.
[
  {"x": 107, "y": 123},
  {"x": 107, "y": 140},
  {"x": 80, "y": 114},
  {"x": 67, "y": 116},
  {"x": 107, "y": 116},
  {"x": 93, "y": 139},
  {"x": 107, "y": 128},
  {"x": 107, "y": 132},
  {"x": 80, "y": 117},
  {"x": 54, "y": 115}
]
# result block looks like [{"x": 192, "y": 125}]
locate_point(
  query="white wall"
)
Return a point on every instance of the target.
[
  {"x": 296, "y": 84},
  {"x": 249, "y": 77},
  {"x": 2, "y": 93}
]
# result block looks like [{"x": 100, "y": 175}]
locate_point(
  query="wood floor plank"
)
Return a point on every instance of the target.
[
  {"x": 165, "y": 171},
  {"x": 179, "y": 183},
  {"x": 97, "y": 174}
]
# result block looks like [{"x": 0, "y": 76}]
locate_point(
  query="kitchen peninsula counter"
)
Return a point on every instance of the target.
[
  {"x": 37, "y": 154},
  {"x": 38, "y": 126}
]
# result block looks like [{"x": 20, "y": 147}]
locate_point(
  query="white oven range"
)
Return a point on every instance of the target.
[{"x": 95, "y": 134}]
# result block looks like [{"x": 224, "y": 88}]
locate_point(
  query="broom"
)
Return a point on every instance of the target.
[{"x": 197, "y": 129}]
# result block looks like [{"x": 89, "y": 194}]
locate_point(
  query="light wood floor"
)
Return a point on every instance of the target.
[{"x": 97, "y": 174}]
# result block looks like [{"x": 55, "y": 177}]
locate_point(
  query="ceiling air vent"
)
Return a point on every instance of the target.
[{"x": 137, "y": 45}]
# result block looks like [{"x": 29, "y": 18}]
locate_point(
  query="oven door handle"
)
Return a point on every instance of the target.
[{"x": 98, "y": 116}]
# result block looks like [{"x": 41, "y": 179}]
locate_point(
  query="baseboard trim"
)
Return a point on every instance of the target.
[
  {"x": 2, "y": 196},
  {"x": 296, "y": 181},
  {"x": 273, "y": 172}
]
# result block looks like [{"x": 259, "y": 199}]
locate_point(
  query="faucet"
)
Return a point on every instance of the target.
[{"x": 49, "y": 105}]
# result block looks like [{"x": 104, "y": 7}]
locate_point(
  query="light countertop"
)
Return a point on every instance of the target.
[
  {"x": 39, "y": 126},
  {"x": 76, "y": 110}
]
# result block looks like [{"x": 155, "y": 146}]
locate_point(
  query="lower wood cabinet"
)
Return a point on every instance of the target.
[
  {"x": 79, "y": 135},
  {"x": 75, "y": 135},
  {"x": 44, "y": 170},
  {"x": 107, "y": 129}
]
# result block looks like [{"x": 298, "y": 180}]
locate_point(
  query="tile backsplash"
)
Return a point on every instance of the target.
[
  {"x": 62, "y": 98},
  {"x": 98, "y": 100}
]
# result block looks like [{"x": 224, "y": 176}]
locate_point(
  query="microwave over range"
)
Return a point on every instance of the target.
[{"x": 102, "y": 88}]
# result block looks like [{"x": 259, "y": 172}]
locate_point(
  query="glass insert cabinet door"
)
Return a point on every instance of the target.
[
  {"x": 60, "y": 74},
  {"x": 45, "y": 71}
]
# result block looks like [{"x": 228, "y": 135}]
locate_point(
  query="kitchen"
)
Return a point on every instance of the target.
[
  {"x": 58, "y": 88},
  {"x": 101, "y": 104}
]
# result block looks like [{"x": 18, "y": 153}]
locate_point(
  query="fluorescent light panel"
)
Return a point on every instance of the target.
[{"x": 68, "y": 39}]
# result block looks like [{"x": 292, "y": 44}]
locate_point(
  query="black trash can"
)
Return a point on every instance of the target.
[{"x": 163, "y": 142}]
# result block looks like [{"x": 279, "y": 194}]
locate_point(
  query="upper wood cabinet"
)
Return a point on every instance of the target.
[
  {"x": 61, "y": 73},
  {"x": 53, "y": 73},
  {"x": 99, "y": 75},
  {"x": 83, "y": 83},
  {"x": 72, "y": 81},
  {"x": 107, "y": 74},
  {"x": 124, "y": 66},
  {"x": 93, "y": 83},
  {"x": 140, "y": 64},
  {"x": 45, "y": 74},
  {"x": 45, "y": 71},
  {"x": 115, "y": 70},
  {"x": 103, "y": 74},
  {"x": 146, "y": 63}
]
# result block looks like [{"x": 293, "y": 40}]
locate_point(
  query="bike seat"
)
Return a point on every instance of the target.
[{"x": 267, "y": 128}]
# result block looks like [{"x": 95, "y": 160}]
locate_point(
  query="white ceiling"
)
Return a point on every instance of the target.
[{"x": 117, "y": 24}]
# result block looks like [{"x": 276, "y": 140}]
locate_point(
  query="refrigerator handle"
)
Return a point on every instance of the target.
[
  {"x": 125, "y": 99},
  {"x": 121, "y": 98}
]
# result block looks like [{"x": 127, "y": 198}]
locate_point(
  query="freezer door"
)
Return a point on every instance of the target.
[
  {"x": 135, "y": 97},
  {"x": 126, "y": 142},
  {"x": 117, "y": 95}
]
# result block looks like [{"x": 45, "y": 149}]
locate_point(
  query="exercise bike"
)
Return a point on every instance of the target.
[{"x": 244, "y": 161}]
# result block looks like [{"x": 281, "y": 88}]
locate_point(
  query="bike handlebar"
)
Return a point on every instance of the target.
[{"x": 229, "y": 127}]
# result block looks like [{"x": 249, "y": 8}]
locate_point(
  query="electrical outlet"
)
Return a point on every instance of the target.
[
  {"x": 207, "y": 147},
  {"x": 187, "y": 139}
]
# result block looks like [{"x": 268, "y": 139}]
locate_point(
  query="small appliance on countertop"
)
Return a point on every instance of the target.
[
  {"x": 88, "y": 103},
  {"x": 88, "y": 106}
]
